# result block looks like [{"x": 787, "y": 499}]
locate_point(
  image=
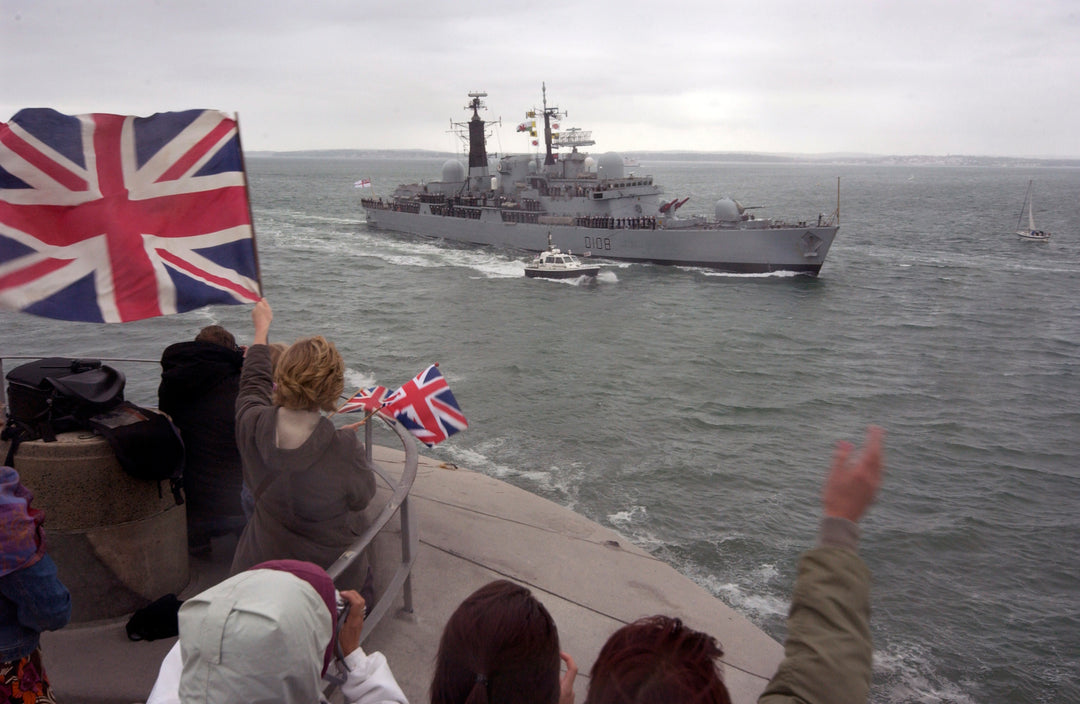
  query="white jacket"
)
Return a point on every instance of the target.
[
  {"x": 260, "y": 637},
  {"x": 370, "y": 680}
]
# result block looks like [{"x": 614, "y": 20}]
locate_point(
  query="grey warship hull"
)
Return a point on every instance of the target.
[
  {"x": 796, "y": 249},
  {"x": 526, "y": 202}
]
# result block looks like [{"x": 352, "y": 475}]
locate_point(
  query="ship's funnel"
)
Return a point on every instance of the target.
[{"x": 478, "y": 159}]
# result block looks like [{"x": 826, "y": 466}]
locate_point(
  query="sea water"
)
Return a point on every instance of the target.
[{"x": 695, "y": 412}]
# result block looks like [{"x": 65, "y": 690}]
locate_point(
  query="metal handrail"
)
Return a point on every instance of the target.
[{"x": 410, "y": 535}]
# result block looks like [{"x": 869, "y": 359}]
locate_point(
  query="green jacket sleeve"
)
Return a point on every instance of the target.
[{"x": 827, "y": 654}]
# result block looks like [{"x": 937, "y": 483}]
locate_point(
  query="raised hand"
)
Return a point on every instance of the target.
[{"x": 853, "y": 481}]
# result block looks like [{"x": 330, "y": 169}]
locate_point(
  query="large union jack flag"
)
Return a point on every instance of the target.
[
  {"x": 427, "y": 408},
  {"x": 111, "y": 218}
]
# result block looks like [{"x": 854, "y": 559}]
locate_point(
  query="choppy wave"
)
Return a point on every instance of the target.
[{"x": 696, "y": 412}]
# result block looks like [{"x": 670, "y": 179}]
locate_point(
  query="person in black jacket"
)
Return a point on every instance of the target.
[{"x": 199, "y": 383}]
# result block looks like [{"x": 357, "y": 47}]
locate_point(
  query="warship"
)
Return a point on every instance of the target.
[{"x": 592, "y": 206}]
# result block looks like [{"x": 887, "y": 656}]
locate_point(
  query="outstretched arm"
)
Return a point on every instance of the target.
[
  {"x": 370, "y": 680},
  {"x": 828, "y": 653},
  {"x": 261, "y": 315},
  {"x": 256, "y": 377}
]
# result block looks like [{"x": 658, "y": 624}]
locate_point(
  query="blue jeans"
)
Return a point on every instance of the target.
[{"x": 32, "y": 600}]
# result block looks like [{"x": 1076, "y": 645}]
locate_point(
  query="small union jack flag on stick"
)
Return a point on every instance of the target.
[
  {"x": 427, "y": 408},
  {"x": 371, "y": 399},
  {"x": 424, "y": 405},
  {"x": 112, "y": 218}
]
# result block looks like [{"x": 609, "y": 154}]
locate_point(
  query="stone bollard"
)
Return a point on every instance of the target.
[{"x": 118, "y": 542}]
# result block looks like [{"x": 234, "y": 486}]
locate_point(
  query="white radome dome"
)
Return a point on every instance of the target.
[
  {"x": 453, "y": 170},
  {"x": 728, "y": 210},
  {"x": 590, "y": 164},
  {"x": 610, "y": 165}
]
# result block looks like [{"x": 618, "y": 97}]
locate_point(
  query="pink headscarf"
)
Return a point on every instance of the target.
[{"x": 22, "y": 541}]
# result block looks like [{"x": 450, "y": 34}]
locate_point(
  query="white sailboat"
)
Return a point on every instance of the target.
[{"x": 1030, "y": 233}]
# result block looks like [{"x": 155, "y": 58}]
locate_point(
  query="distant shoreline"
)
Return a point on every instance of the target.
[{"x": 687, "y": 156}]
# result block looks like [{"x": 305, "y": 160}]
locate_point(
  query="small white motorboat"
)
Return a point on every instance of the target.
[{"x": 557, "y": 264}]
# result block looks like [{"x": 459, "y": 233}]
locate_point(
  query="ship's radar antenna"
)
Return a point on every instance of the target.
[
  {"x": 574, "y": 137},
  {"x": 466, "y": 131},
  {"x": 475, "y": 103}
]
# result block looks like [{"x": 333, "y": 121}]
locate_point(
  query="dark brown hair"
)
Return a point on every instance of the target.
[
  {"x": 658, "y": 660},
  {"x": 218, "y": 335},
  {"x": 500, "y": 645}
]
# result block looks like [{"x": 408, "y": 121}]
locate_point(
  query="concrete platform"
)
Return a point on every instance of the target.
[
  {"x": 118, "y": 542},
  {"x": 473, "y": 529}
]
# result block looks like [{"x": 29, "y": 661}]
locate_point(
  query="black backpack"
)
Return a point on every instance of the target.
[
  {"x": 58, "y": 394},
  {"x": 146, "y": 443}
]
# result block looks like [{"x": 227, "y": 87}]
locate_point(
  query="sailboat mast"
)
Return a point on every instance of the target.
[
  {"x": 1031, "y": 209},
  {"x": 1027, "y": 201}
]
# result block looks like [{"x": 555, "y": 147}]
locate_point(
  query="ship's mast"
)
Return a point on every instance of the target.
[
  {"x": 571, "y": 137},
  {"x": 479, "y": 177},
  {"x": 549, "y": 113}
]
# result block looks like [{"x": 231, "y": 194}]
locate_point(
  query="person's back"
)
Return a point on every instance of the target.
[
  {"x": 199, "y": 384},
  {"x": 271, "y": 634},
  {"x": 309, "y": 480}
]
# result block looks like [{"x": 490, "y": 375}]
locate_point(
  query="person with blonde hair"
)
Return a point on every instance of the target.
[{"x": 310, "y": 481}]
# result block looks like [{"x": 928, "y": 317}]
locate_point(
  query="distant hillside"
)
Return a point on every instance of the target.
[
  {"x": 358, "y": 154},
  {"x": 747, "y": 157}
]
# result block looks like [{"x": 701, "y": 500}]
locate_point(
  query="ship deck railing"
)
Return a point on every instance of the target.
[{"x": 400, "y": 582}]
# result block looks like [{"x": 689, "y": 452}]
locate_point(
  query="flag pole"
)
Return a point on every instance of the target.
[
  {"x": 365, "y": 419},
  {"x": 251, "y": 215},
  {"x": 335, "y": 411}
]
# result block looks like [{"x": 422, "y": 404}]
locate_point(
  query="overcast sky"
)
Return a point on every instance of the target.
[{"x": 977, "y": 77}]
